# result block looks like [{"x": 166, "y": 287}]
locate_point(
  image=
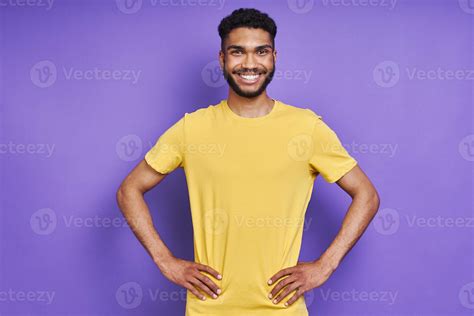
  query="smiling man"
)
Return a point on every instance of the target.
[{"x": 249, "y": 199}]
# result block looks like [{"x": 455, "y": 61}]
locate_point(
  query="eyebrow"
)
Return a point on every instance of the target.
[{"x": 243, "y": 48}]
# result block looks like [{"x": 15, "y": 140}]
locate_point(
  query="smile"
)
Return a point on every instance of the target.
[{"x": 250, "y": 78}]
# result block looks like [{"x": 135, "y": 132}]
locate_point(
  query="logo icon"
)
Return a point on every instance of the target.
[
  {"x": 466, "y": 295},
  {"x": 386, "y": 74},
  {"x": 387, "y": 221},
  {"x": 129, "y": 6},
  {"x": 467, "y": 6},
  {"x": 300, "y": 147},
  {"x": 129, "y": 147},
  {"x": 43, "y": 221},
  {"x": 300, "y": 6},
  {"x": 43, "y": 74},
  {"x": 212, "y": 75},
  {"x": 129, "y": 295},
  {"x": 466, "y": 147}
]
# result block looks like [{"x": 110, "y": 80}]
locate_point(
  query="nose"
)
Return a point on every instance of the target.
[{"x": 249, "y": 62}]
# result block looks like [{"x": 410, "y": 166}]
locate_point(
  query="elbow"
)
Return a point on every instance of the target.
[
  {"x": 374, "y": 201},
  {"x": 122, "y": 193}
]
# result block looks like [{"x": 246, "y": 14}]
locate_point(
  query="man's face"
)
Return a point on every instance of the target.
[{"x": 248, "y": 61}]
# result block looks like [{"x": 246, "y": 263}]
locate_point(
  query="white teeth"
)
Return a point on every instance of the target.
[{"x": 247, "y": 77}]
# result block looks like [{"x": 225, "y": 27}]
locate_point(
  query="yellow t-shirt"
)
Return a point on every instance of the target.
[{"x": 250, "y": 181}]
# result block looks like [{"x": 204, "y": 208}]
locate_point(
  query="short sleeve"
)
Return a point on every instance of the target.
[
  {"x": 167, "y": 154},
  {"x": 329, "y": 157}
]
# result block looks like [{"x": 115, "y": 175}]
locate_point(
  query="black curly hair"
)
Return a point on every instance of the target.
[{"x": 247, "y": 17}]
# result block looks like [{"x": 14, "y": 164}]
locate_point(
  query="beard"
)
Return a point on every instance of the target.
[{"x": 249, "y": 94}]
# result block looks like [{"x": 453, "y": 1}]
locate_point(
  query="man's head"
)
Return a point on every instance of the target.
[{"x": 248, "y": 54}]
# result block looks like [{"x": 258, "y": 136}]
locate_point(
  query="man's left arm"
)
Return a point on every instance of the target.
[{"x": 308, "y": 275}]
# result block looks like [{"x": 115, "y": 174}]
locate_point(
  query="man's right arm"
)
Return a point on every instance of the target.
[{"x": 130, "y": 198}]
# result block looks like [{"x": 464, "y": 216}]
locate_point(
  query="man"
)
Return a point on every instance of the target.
[{"x": 250, "y": 163}]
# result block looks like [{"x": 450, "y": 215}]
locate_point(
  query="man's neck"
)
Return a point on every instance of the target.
[{"x": 250, "y": 107}]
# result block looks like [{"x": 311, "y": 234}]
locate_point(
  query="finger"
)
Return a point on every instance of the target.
[
  {"x": 193, "y": 290},
  {"x": 280, "y": 274},
  {"x": 296, "y": 296},
  {"x": 287, "y": 290},
  {"x": 206, "y": 280},
  {"x": 202, "y": 286},
  {"x": 209, "y": 270},
  {"x": 280, "y": 285}
]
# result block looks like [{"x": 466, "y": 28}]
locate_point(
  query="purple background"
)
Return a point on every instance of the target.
[{"x": 364, "y": 66}]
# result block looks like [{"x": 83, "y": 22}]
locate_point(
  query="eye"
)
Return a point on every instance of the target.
[
  {"x": 263, "y": 51},
  {"x": 236, "y": 52}
]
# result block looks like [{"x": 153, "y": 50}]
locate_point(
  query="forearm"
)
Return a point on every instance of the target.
[
  {"x": 136, "y": 211},
  {"x": 358, "y": 217}
]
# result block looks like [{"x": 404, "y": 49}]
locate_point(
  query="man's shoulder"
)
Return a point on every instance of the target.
[
  {"x": 202, "y": 113},
  {"x": 303, "y": 112}
]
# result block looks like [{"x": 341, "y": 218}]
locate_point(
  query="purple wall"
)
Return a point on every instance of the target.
[{"x": 88, "y": 86}]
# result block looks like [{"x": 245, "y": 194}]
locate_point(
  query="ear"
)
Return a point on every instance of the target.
[{"x": 221, "y": 59}]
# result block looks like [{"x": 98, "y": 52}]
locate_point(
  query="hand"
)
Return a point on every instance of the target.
[
  {"x": 188, "y": 274},
  {"x": 302, "y": 278}
]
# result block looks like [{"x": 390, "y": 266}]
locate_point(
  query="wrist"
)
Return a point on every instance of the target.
[
  {"x": 329, "y": 263},
  {"x": 163, "y": 261}
]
